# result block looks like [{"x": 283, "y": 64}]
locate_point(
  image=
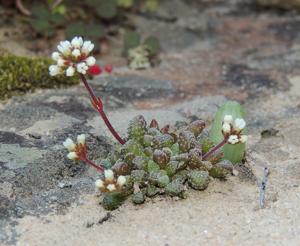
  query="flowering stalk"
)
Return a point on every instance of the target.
[
  {"x": 73, "y": 57},
  {"x": 97, "y": 103},
  {"x": 232, "y": 132},
  {"x": 92, "y": 164},
  {"x": 78, "y": 151},
  {"x": 214, "y": 149}
]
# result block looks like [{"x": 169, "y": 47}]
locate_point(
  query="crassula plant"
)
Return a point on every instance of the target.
[{"x": 151, "y": 160}]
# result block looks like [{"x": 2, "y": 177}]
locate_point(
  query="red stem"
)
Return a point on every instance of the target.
[
  {"x": 215, "y": 148},
  {"x": 99, "y": 106},
  {"x": 92, "y": 164}
]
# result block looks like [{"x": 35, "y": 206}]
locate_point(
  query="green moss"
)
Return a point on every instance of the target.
[{"x": 22, "y": 74}]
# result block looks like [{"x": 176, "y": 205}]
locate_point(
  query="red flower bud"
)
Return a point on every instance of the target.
[
  {"x": 108, "y": 68},
  {"x": 95, "y": 70}
]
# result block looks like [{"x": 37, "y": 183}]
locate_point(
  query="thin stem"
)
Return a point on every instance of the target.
[
  {"x": 87, "y": 86},
  {"x": 110, "y": 127},
  {"x": 92, "y": 164},
  {"x": 214, "y": 149},
  {"x": 99, "y": 106}
]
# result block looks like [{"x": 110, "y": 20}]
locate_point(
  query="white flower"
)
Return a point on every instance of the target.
[
  {"x": 70, "y": 71},
  {"x": 99, "y": 183},
  {"x": 109, "y": 175},
  {"x": 76, "y": 53},
  {"x": 239, "y": 124},
  {"x": 69, "y": 144},
  {"x": 228, "y": 119},
  {"x": 82, "y": 67},
  {"x": 72, "y": 156},
  {"x": 60, "y": 62},
  {"x": 243, "y": 138},
  {"x": 121, "y": 180},
  {"x": 233, "y": 139},
  {"x": 226, "y": 127},
  {"x": 111, "y": 187},
  {"x": 54, "y": 70},
  {"x": 81, "y": 139},
  {"x": 77, "y": 42},
  {"x": 64, "y": 47},
  {"x": 55, "y": 56},
  {"x": 90, "y": 61},
  {"x": 72, "y": 57},
  {"x": 87, "y": 47}
]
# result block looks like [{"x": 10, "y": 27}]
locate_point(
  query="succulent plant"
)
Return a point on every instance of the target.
[{"x": 163, "y": 161}]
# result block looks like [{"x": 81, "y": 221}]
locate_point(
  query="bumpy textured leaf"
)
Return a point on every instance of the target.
[{"x": 233, "y": 153}]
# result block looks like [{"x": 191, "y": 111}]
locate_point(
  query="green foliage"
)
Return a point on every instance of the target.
[
  {"x": 151, "y": 5},
  {"x": 45, "y": 21},
  {"x": 125, "y": 3},
  {"x": 132, "y": 40},
  {"x": 21, "y": 74},
  {"x": 234, "y": 153},
  {"x": 90, "y": 31},
  {"x": 173, "y": 161},
  {"x": 140, "y": 54}
]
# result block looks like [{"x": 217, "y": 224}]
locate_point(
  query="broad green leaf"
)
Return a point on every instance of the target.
[
  {"x": 60, "y": 9},
  {"x": 75, "y": 29},
  {"x": 125, "y": 3},
  {"x": 95, "y": 31},
  {"x": 40, "y": 12},
  {"x": 151, "y": 5},
  {"x": 40, "y": 25},
  {"x": 107, "y": 9},
  {"x": 131, "y": 40},
  {"x": 153, "y": 45},
  {"x": 234, "y": 153},
  {"x": 57, "y": 19}
]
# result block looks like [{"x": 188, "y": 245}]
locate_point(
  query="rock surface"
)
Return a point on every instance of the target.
[{"x": 232, "y": 52}]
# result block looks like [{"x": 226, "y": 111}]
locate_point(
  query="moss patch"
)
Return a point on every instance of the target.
[{"x": 22, "y": 74}]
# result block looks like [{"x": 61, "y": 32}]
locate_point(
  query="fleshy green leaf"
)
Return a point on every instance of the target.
[{"x": 233, "y": 153}]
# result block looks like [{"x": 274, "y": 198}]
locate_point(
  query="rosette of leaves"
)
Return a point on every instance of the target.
[
  {"x": 44, "y": 21},
  {"x": 163, "y": 161},
  {"x": 140, "y": 54}
]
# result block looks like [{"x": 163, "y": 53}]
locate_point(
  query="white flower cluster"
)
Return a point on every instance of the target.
[
  {"x": 75, "y": 149},
  {"x": 110, "y": 183},
  {"x": 72, "y": 57},
  {"x": 232, "y": 129}
]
